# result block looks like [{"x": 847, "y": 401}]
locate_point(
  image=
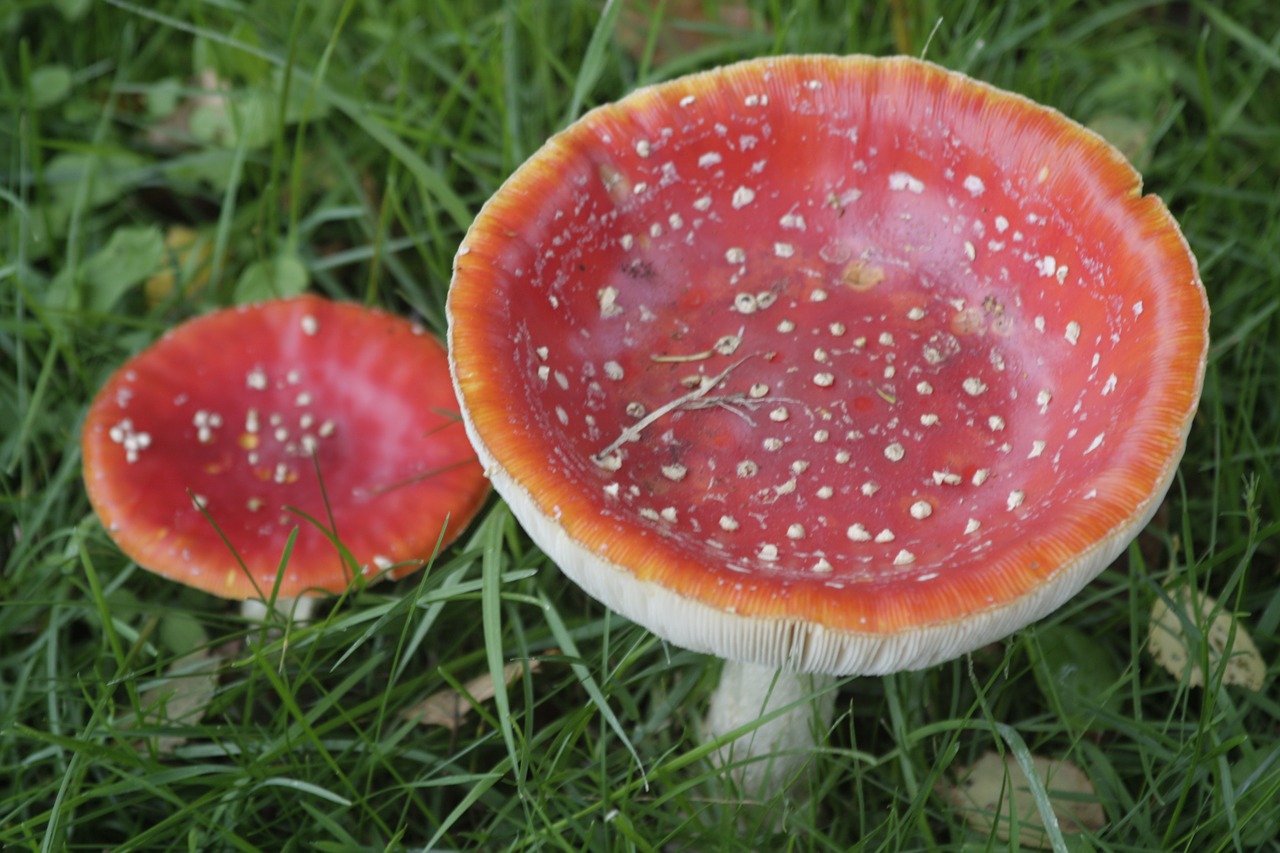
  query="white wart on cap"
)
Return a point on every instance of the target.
[{"x": 843, "y": 364}]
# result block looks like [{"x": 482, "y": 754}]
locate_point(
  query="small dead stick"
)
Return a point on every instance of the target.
[{"x": 632, "y": 432}]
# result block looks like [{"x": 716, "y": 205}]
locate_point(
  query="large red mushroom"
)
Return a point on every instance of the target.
[
  {"x": 204, "y": 453},
  {"x": 832, "y": 365}
]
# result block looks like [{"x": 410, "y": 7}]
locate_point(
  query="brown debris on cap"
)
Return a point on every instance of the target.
[
  {"x": 225, "y": 421},
  {"x": 837, "y": 363}
]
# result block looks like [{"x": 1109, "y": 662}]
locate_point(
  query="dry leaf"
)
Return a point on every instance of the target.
[
  {"x": 687, "y": 26},
  {"x": 180, "y": 699},
  {"x": 449, "y": 708},
  {"x": 993, "y": 791},
  {"x": 1172, "y": 648},
  {"x": 174, "y": 132}
]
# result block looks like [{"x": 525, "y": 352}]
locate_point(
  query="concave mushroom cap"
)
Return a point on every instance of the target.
[
  {"x": 230, "y": 407},
  {"x": 849, "y": 365}
]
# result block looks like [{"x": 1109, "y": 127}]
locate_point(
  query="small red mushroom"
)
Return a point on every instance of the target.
[
  {"x": 205, "y": 452},
  {"x": 835, "y": 364}
]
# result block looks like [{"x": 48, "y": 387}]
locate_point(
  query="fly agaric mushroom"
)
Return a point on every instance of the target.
[
  {"x": 250, "y": 422},
  {"x": 831, "y": 365}
]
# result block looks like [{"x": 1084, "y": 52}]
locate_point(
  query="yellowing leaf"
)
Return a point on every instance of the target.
[
  {"x": 190, "y": 260},
  {"x": 995, "y": 792},
  {"x": 449, "y": 708},
  {"x": 1169, "y": 644}
]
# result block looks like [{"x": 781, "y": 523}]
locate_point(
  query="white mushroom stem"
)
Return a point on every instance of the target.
[
  {"x": 773, "y": 754},
  {"x": 297, "y": 610}
]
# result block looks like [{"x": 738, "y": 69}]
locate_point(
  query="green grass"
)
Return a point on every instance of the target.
[{"x": 367, "y": 134}]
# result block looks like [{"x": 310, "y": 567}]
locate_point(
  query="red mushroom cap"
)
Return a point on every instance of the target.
[
  {"x": 231, "y": 407},
  {"x": 845, "y": 364}
]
